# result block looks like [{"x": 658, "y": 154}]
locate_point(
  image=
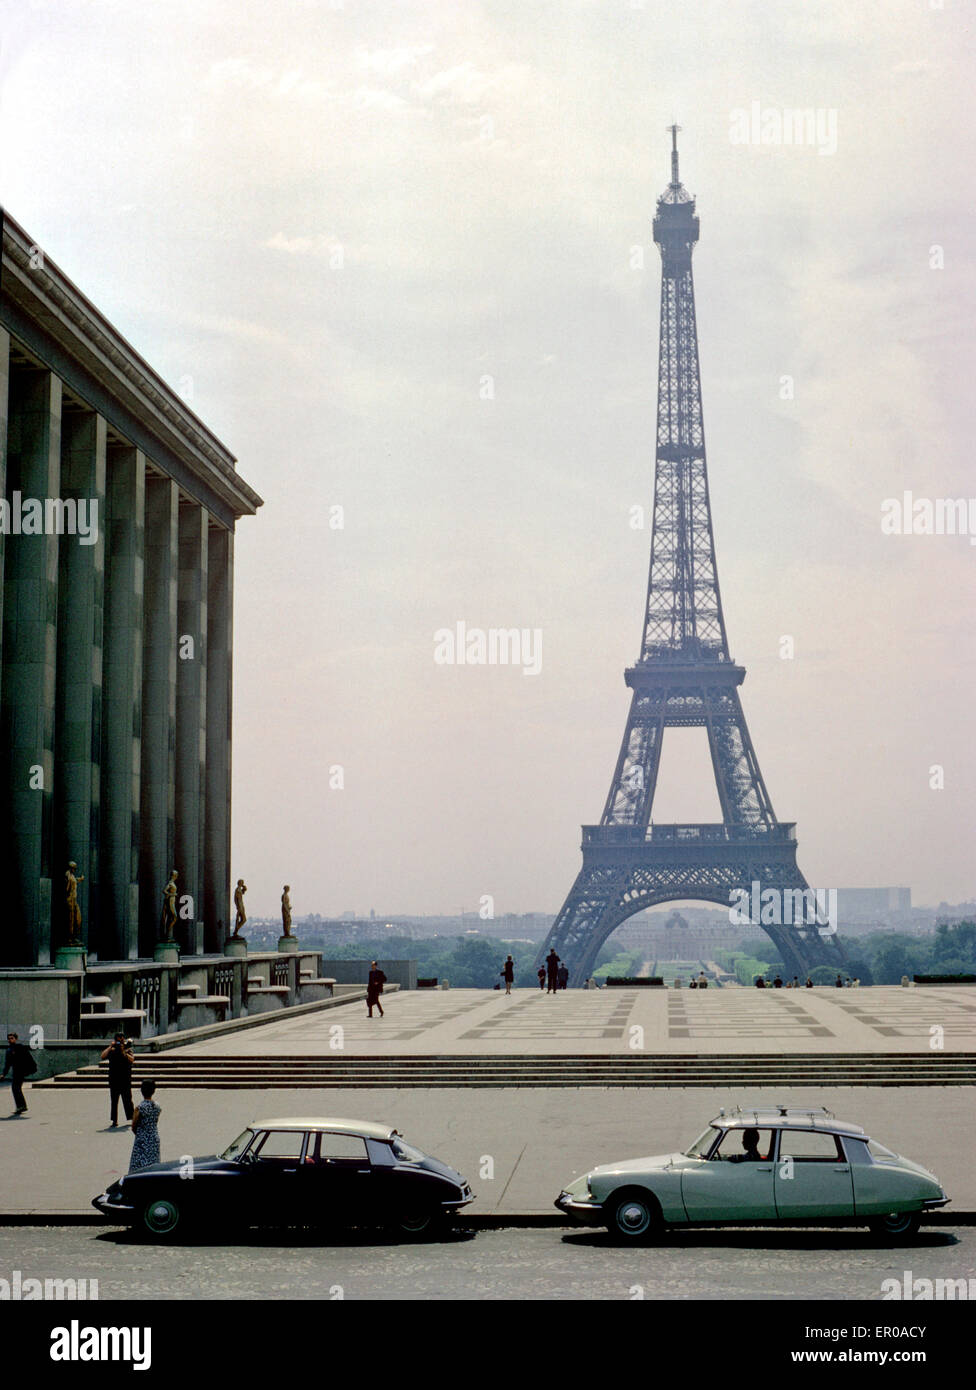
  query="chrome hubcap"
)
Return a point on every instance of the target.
[
  {"x": 633, "y": 1217},
  {"x": 161, "y": 1216}
]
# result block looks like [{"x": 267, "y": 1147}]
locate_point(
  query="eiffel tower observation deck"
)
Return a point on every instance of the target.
[{"x": 685, "y": 677}]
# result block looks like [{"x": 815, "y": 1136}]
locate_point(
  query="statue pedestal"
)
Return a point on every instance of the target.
[
  {"x": 74, "y": 957},
  {"x": 235, "y": 946},
  {"x": 168, "y": 952},
  {"x": 287, "y": 943}
]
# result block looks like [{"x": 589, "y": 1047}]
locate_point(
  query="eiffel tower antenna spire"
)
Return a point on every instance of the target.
[
  {"x": 675, "y": 181},
  {"x": 684, "y": 677}
]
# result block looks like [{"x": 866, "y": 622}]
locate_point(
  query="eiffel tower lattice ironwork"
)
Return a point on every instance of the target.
[{"x": 686, "y": 678}]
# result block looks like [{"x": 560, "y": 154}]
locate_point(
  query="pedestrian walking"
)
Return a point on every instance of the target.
[
  {"x": 120, "y": 1058},
  {"x": 508, "y": 974},
  {"x": 19, "y": 1061},
  {"x": 541, "y": 972},
  {"x": 562, "y": 975},
  {"x": 552, "y": 971},
  {"x": 145, "y": 1122},
  {"x": 374, "y": 988}
]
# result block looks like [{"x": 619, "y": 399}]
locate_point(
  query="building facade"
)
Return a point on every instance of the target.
[{"x": 117, "y": 563}]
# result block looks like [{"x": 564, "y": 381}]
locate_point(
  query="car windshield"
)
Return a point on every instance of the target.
[
  {"x": 406, "y": 1153},
  {"x": 877, "y": 1150},
  {"x": 702, "y": 1144},
  {"x": 239, "y": 1145}
]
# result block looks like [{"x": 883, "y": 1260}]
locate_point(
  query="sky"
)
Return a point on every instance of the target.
[{"x": 398, "y": 257}]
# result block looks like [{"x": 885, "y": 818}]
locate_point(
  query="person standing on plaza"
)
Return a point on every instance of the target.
[
  {"x": 120, "y": 1058},
  {"x": 145, "y": 1122},
  {"x": 374, "y": 988},
  {"x": 541, "y": 972},
  {"x": 508, "y": 973},
  {"x": 552, "y": 971},
  {"x": 20, "y": 1063},
  {"x": 562, "y": 975}
]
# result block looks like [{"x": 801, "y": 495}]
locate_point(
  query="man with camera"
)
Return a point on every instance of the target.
[{"x": 120, "y": 1058}]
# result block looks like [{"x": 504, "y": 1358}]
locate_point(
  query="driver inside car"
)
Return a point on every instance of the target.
[{"x": 750, "y": 1148}]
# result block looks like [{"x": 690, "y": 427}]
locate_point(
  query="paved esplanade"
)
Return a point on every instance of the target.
[
  {"x": 519, "y": 1144},
  {"x": 823, "y": 1019}
]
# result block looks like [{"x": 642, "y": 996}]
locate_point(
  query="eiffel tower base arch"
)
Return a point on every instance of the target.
[{"x": 705, "y": 863}]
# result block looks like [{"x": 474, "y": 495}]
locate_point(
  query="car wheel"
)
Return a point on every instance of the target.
[
  {"x": 635, "y": 1216},
  {"x": 160, "y": 1218},
  {"x": 417, "y": 1222},
  {"x": 898, "y": 1225}
]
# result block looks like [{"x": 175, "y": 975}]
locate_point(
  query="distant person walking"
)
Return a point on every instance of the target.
[
  {"x": 508, "y": 974},
  {"x": 374, "y": 988},
  {"x": 541, "y": 972},
  {"x": 120, "y": 1058},
  {"x": 552, "y": 971},
  {"x": 145, "y": 1121},
  {"x": 19, "y": 1061},
  {"x": 562, "y": 975}
]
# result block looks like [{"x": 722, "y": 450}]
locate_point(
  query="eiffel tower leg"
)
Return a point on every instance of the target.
[
  {"x": 741, "y": 789},
  {"x": 581, "y": 926}
]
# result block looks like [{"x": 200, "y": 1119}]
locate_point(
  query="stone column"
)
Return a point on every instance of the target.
[
  {"x": 220, "y": 621},
  {"x": 30, "y": 608},
  {"x": 78, "y": 702},
  {"x": 116, "y": 937},
  {"x": 191, "y": 716},
  {"x": 4, "y": 390},
  {"x": 159, "y": 656}
]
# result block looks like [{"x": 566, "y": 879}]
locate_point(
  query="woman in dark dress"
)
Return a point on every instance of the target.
[{"x": 145, "y": 1149}]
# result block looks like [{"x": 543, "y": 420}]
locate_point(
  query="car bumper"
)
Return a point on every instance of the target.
[
  {"x": 454, "y": 1202},
  {"x": 931, "y": 1203},
  {"x": 585, "y": 1210},
  {"x": 115, "y": 1211}
]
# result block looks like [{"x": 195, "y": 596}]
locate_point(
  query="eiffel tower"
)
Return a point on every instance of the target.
[{"x": 685, "y": 678}]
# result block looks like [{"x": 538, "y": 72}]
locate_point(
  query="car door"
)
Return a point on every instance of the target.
[
  {"x": 273, "y": 1163},
  {"x": 334, "y": 1181},
  {"x": 813, "y": 1176},
  {"x": 732, "y": 1184}
]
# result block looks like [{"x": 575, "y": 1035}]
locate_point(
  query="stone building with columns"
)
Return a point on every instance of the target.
[{"x": 117, "y": 642}]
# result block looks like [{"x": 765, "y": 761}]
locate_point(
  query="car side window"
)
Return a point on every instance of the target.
[
  {"x": 343, "y": 1148},
  {"x": 810, "y": 1146},
  {"x": 745, "y": 1145},
  {"x": 280, "y": 1146}
]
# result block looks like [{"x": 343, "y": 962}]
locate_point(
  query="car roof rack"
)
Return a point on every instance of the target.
[{"x": 807, "y": 1112}]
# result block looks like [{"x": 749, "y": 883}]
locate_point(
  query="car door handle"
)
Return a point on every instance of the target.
[
  {"x": 841, "y": 1170},
  {"x": 289, "y": 1170},
  {"x": 764, "y": 1170}
]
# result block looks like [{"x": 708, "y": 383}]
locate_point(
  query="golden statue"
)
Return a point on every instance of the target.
[
  {"x": 169, "y": 908},
  {"x": 71, "y": 881},
  {"x": 239, "y": 892},
  {"x": 286, "y": 911}
]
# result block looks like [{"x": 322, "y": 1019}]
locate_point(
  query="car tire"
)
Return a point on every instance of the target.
[
  {"x": 160, "y": 1218},
  {"x": 418, "y": 1223},
  {"x": 635, "y": 1217},
  {"x": 897, "y": 1226}
]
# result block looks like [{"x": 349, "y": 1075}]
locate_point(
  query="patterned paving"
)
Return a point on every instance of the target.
[
  {"x": 560, "y": 1017},
  {"x": 901, "y": 1015},
  {"x": 741, "y": 1013},
  {"x": 530, "y": 1022}
]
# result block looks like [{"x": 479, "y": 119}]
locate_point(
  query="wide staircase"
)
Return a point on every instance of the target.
[{"x": 632, "y": 1069}]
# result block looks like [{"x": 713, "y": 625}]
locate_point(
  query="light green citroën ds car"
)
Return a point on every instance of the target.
[{"x": 750, "y": 1167}]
